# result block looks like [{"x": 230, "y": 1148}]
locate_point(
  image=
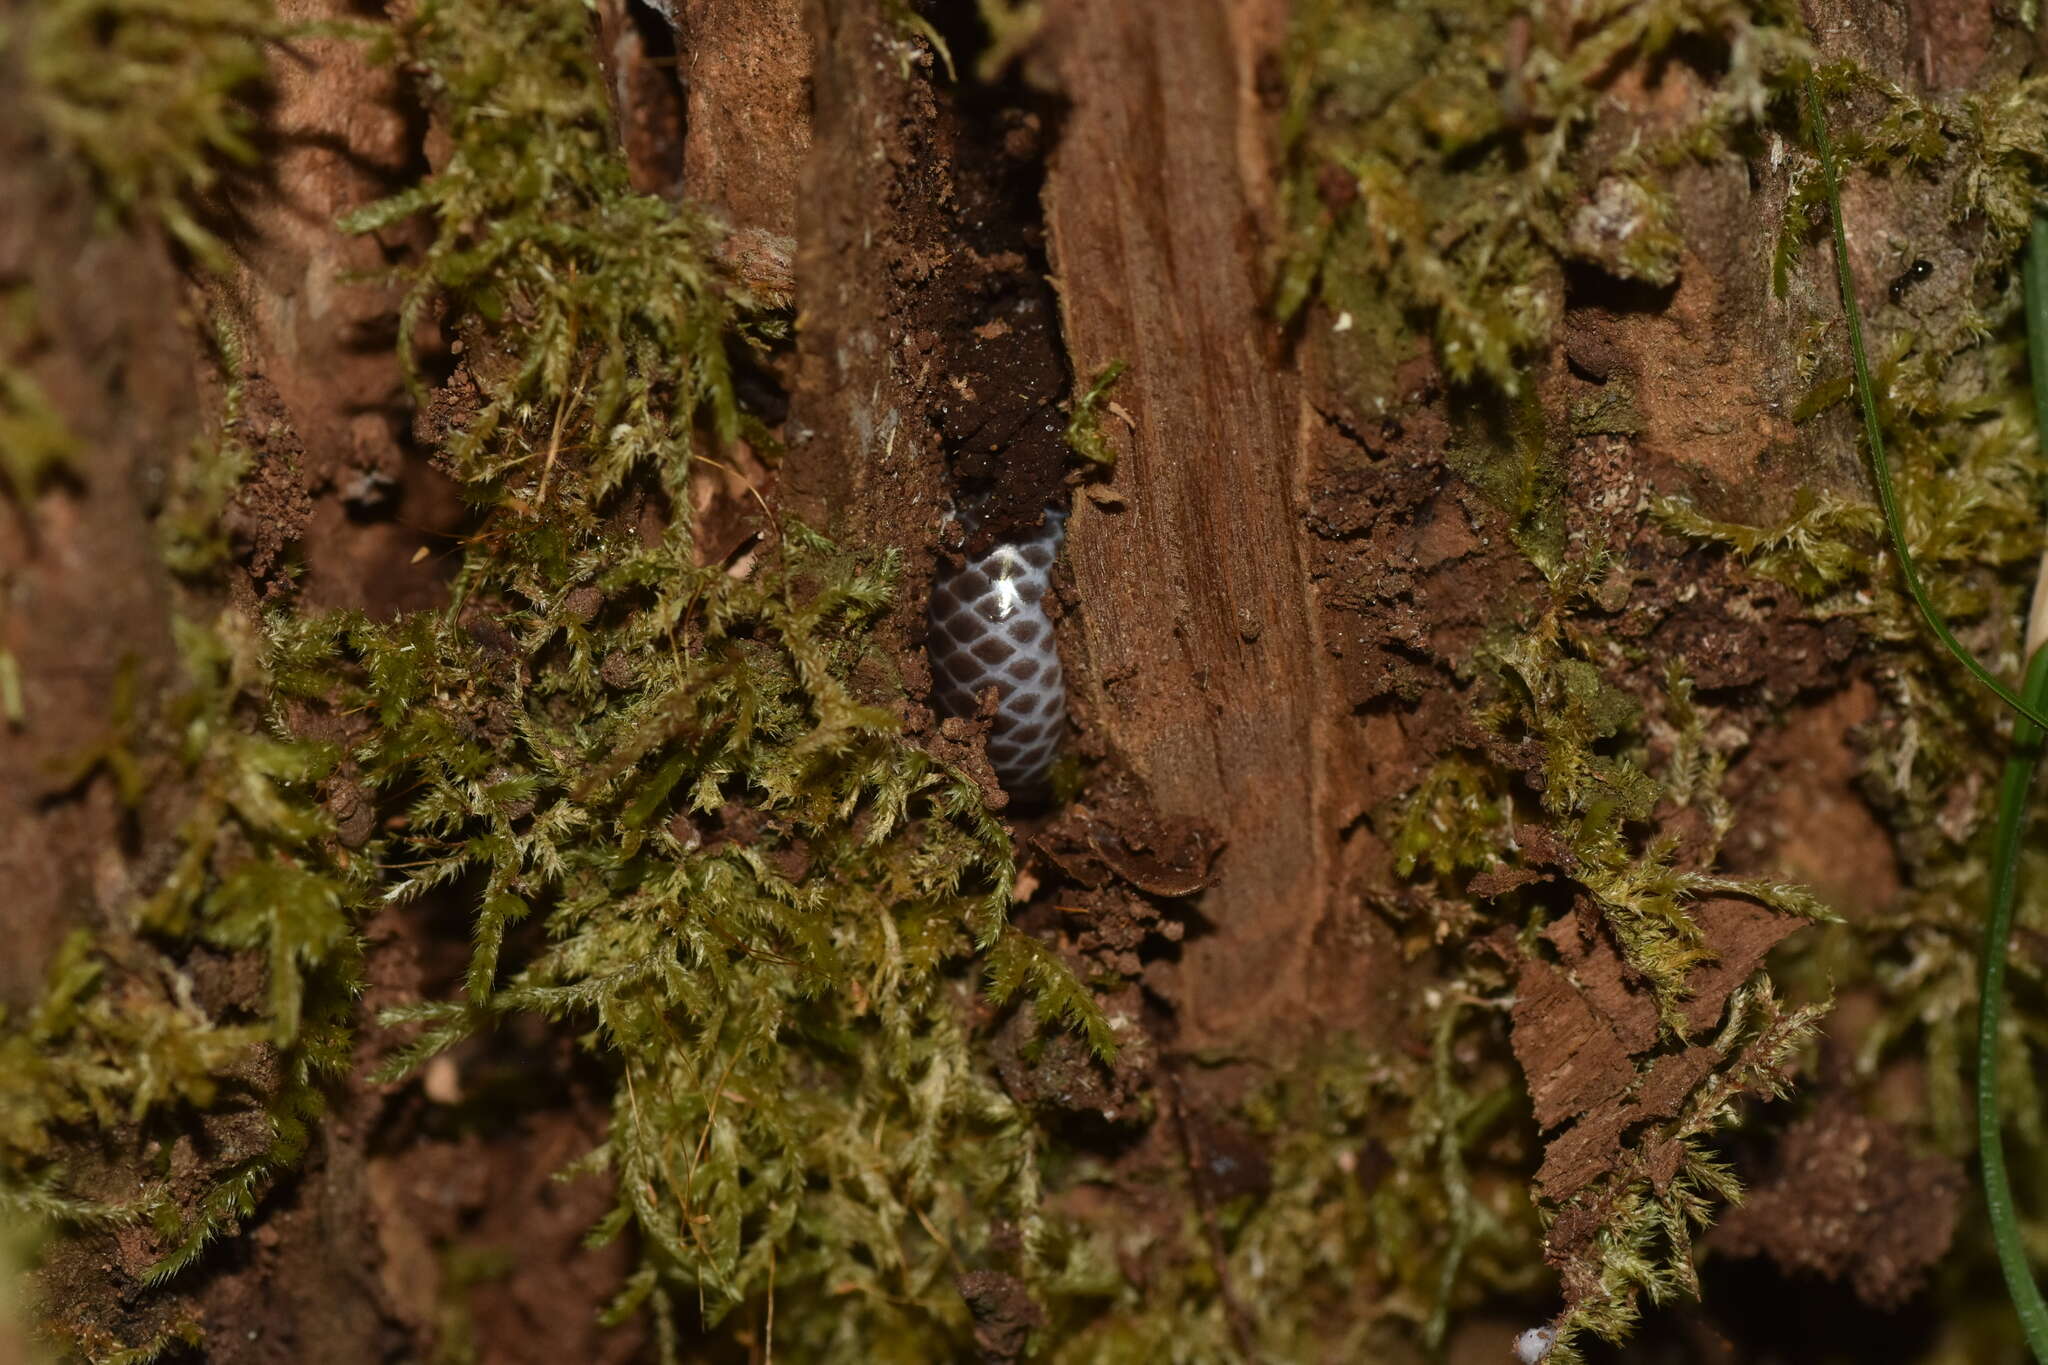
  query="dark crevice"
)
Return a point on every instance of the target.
[{"x": 989, "y": 313}]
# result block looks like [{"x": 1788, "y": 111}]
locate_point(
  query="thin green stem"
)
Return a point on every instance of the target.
[
  {"x": 2013, "y": 790},
  {"x": 1880, "y": 466},
  {"x": 2034, "y": 281}
]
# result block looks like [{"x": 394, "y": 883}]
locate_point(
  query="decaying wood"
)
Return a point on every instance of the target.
[{"x": 1203, "y": 667}]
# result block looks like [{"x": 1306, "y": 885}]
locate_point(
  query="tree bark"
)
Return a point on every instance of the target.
[{"x": 1299, "y": 609}]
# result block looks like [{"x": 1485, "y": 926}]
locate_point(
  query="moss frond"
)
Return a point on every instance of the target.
[
  {"x": 36, "y": 443},
  {"x": 1436, "y": 175},
  {"x": 1084, "y": 423},
  {"x": 601, "y": 320},
  {"x": 153, "y": 97},
  {"x": 1645, "y": 1216},
  {"x": 1826, "y": 541},
  {"x": 674, "y": 798}
]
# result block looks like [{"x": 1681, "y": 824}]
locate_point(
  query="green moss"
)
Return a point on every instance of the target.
[
  {"x": 121, "y": 1045},
  {"x": 602, "y": 323},
  {"x": 1084, "y": 423},
  {"x": 1589, "y": 782},
  {"x": 102, "y": 1350},
  {"x": 1389, "y": 1201},
  {"x": 152, "y": 97},
  {"x": 190, "y": 532},
  {"x": 1454, "y": 821},
  {"x": 1440, "y": 178},
  {"x": 36, "y": 443},
  {"x": 1826, "y": 542},
  {"x": 1953, "y": 398},
  {"x": 1954, "y": 410},
  {"x": 1581, "y": 772},
  {"x": 753, "y": 898},
  {"x": 1646, "y": 1220},
  {"x": 1435, "y": 171},
  {"x": 1989, "y": 147},
  {"x": 1503, "y": 447},
  {"x": 751, "y": 891},
  {"x": 1609, "y": 410},
  {"x": 676, "y": 802}
]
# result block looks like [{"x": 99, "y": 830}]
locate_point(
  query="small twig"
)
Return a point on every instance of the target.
[{"x": 547, "y": 469}]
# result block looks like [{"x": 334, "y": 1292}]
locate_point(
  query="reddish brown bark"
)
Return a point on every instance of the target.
[{"x": 1202, "y": 664}]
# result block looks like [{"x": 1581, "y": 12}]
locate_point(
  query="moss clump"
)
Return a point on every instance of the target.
[
  {"x": 1565, "y": 754},
  {"x": 738, "y": 883},
  {"x": 1344, "y": 1209},
  {"x": 595, "y": 310},
  {"x": 189, "y": 529},
  {"x": 1436, "y": 177},
  {"x": 1951, "y": 385},
  {"x": 36, "y": 443},
  {"x": 1439, "y": 176},
  {"x": 122, "y": 1042},
  {"x": 1828, "y": 541},
  {"x": 152, "y": 97},
  {"x": 673, "y": 799},
  {"x": 129, "y": 1064},
  {"x": 1669, "y": 1181},
  {"x": 1084, "y": 423},
  {"x": 750, "y": 891}
]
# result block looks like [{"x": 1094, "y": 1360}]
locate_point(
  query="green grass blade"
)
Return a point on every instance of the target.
[
  {"x": 2034, "y": 279},
  {"x": 1866, "y": 398},
  {"x": 2014, "y": 787}
]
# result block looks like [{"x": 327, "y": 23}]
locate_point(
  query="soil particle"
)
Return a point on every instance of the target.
[
  {"x": 1850, "y": 1201},
  {"x": 393, "y": 558},
  {"x": 270, "y": 509},
  {"x": 1113, "y": 834},
  {"x": 1226, "y": 1160},
  {"x": 1004, "y": 1314},
  {"x": 1052, "y": 1070},
  {"x": 351, "y": 809},
  {"x": 1122, "y": 870}
]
